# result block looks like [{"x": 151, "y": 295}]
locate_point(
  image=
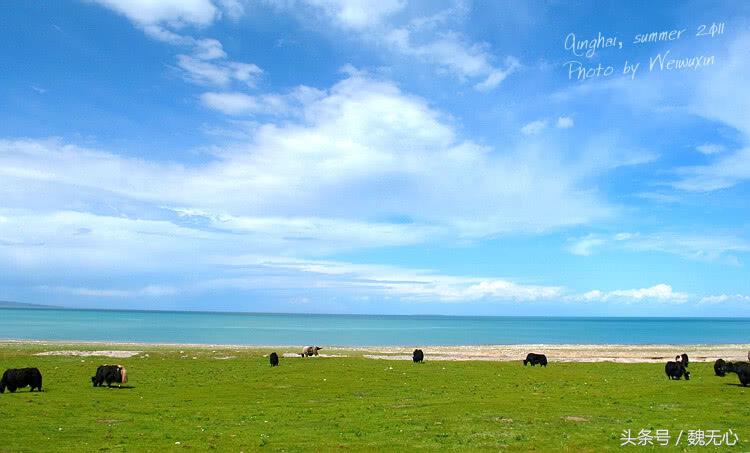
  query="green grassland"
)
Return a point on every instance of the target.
[{"x": 192, "y": 399}]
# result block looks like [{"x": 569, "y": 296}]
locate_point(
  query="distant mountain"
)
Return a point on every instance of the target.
[{"x": 8, "y": 304}]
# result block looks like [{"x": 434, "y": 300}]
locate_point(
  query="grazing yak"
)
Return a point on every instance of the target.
[
  {"x": 719, "y": 367},
  {"x": 742, "y": 369},
  {"x": 109, "y": 374},
  {"x": 535, "y": 359},
  {"x": 274, "y": 359},
  {"x": 309, "y": 351},
  {"x": 675, "y": 370},
  {"x": 18, "y": 378},
  {"x": 418, "y": 356}
]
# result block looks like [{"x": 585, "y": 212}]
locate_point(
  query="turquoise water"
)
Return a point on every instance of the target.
[{"x": 363, "y": 330}]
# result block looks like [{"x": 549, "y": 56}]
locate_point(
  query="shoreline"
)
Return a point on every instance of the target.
[{"x": 617, "y": 353}]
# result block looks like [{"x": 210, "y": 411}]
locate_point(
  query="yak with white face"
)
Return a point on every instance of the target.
[
  {"x": 110, "y": 374},
  {"x": 309, "y": 351}
]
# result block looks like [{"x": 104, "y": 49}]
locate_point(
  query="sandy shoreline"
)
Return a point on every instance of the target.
[{"x": 555, "y": 352}]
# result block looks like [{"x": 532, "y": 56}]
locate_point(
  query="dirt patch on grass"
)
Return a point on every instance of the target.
[
  {"x": 575, "y": 418},
  {"x": 114, "y": 354},
  {"x": 563, "y": 353}
]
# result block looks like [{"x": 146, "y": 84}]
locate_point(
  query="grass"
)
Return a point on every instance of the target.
[{"x": 192, "y": 400}]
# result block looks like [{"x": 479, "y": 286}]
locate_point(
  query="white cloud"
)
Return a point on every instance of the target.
[
  {"x": 160, "y": 33},
  {"x": 586, "y": 245},
  {"x": 722, "y": 298},
  {"x": 231, "y": 103},
  {"x": 208, "y": 49},
  {"x": 147, "y": 291},
  {"x": 233, "y": 8},
  {"x": 248, "y": 252},
  {"x": 218, "y": 73},
  {"x": 358, "y": 14},
  {"x": 564, "y": 122},
  {"x": 208, "y": 63},
  {"x": 534, "y": 127},
  {"x": 362, "y": 280},
  {"x": 417, "y": 284},
  {"x": 717, "y": 95},
  {"x": 362, "y": 139},
  {"x": 452, "y": 51},
  {"x": 720, "y": 96},
  {"x": 497, "y": 75},
  {"x": 661, "y": 292},
  {"x": 176, "y": 13},
  {"x": 707, "y": 247},
  {"x": 421, "y": 37},
  {"x": 329, "y": 178},
  {"x": 234, "y": 103},
  {"x": 728, "y": 171},
  {"x": 710, "y": 148},
  {"x": 658, "y": 197}
]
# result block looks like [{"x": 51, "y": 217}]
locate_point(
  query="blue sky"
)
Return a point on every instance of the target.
[{"x": 374, "y": 157}]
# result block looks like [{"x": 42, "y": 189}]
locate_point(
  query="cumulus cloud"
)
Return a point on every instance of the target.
[
  {"x": 564, "y": 122},
  {"x": 329, "y": 178},
  {"x": 363, "y": 139},
  {"x": 534, "y": 127},
  {"x": 661, "y": 292}
]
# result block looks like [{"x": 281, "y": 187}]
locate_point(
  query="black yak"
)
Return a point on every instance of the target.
[
  {"x": 274, "y": 359},
  {"x": 17, "y": 378},
  {"x": 309, "y": 351},
  {"x": 719, "y": 367},
  {"x": 742, "y": 369},
  {"x": 418, "y": 356},
  {"x": 675, "y": 370},
  {"x": 109, "y": 374},
  {"x": 535, "y": 359}
]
